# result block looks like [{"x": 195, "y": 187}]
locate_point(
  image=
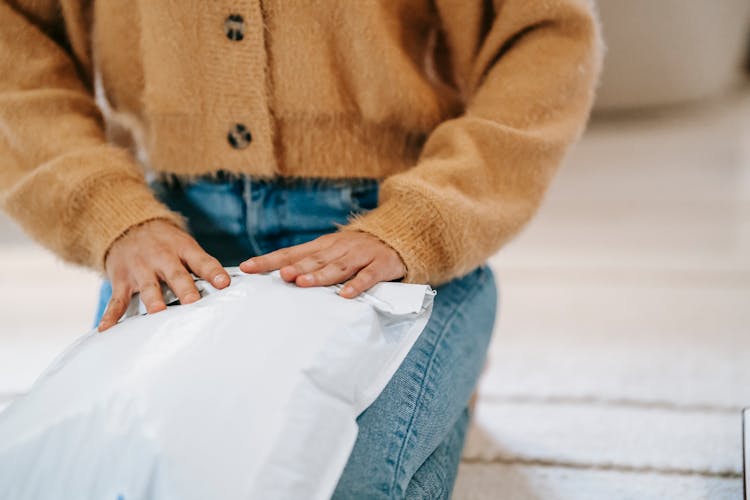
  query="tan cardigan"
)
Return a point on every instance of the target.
[{"x": 463, "y": 107}]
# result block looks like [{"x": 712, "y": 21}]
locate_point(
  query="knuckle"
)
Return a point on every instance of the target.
[
  {"x": 188, "y": 296},
  {"x": 150, "y": 290},
  {"x": 161, "y": 249},
  {"x": 329, "y": 240},
  {"x": 177, "y": 276},
  {"x": 213, "y": 267},
  {"x": 204, "y": 265},
  {"x": 212, "y": 260},
  {"x": 141, "y": 262},
  {"x": 185, "y": 239},
  {"x": 166, "y": 260},
  {"x": 367, "y": 273},
  {"x": 341, "y": 266},
  {"x": 184, "y": 284},
  {"x": 262, "y": 260},
  {"x": 114, "y": 310},
  {"x": 205, "y": 261},
  {"x": 185, "y": 292},
  {"x": 318, "y": 256},
  {"x": 364, "y": 247},
  {"x": 319, "y": 260},
  {"x": 208, "y": 273},
  {"x": 366, "y": 276},
  {"x": 122, "y": 292},
  {"x": 305, "y": 265},
  {"x": 150, "y": 285},
  {"x": 114, "y": 304},
  {"x": 111, "y": 316}
]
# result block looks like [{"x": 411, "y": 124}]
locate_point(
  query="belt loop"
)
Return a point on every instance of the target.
[{"x": 247, "y": 190}]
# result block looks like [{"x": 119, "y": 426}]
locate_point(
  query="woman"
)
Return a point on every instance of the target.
[{"x": 351, "y": 142}]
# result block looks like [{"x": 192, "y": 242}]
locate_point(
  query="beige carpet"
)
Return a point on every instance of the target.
[{"x": 621, "y": 359}]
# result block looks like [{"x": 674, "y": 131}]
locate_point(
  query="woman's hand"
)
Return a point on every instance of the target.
[
  {"x": 152, "y": 252},
  {"x": 356, "y": 256}
]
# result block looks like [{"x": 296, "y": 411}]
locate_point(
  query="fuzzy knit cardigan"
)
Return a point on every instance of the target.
[{"x": 462, "y": 108}]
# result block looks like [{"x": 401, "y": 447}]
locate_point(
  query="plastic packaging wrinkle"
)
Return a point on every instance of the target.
[{"x": 251, "y": 392}]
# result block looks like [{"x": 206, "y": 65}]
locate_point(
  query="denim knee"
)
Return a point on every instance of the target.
[{"x": 415, "y": 414}]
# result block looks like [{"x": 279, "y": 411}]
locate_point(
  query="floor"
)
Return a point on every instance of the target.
[{"x": 621, "y": 358}]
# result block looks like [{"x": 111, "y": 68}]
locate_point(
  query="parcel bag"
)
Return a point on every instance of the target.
[{"x": 251, "y": 392}]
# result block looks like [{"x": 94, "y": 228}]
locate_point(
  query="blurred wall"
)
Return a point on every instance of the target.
[{"x": 669, "y": 51}]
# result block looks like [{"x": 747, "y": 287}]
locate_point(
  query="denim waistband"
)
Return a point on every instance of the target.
[
  {"x": 226, "y": 177},
  {"x": 234, "y": 216}
]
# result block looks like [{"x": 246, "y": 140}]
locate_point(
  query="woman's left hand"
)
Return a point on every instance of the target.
[{"x": 356, "y": 256}]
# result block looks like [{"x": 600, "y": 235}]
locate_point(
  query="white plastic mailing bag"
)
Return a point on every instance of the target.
[{"x": 251, "y": 392}]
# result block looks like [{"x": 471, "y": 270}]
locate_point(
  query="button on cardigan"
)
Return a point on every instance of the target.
[
  {"x": 234, "y": 28},
  {"x": 239, "y": 137},
  {"x": 464, "y": 110}
]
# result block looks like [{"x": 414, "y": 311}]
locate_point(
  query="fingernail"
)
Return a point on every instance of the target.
[
  {"x": 347, "y": 290},
  {"x": 220, "y": 279},
  {"x": 192, "y": 297},
  {"x": 306, "y": 278},
  {"x": 249, "y": 263}
]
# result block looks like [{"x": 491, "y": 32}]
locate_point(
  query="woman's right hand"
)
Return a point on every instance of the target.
[{"x": 148, "y": 254}]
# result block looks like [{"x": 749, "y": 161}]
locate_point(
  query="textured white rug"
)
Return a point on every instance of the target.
[{"x": 621, "y": 360}]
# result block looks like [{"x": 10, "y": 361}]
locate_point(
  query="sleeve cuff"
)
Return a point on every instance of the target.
[
  {"x": 80, "y": 203},
  {"x": 114, "y": 204},
  {"x": 413, "y": 226}
]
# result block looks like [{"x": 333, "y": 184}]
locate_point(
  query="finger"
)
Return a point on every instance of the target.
[
  {"x": 182, "y": 284},
  {"x": 207, "y": 267},
  {"x": 365, "y": 279},
  {"x": 150, "y": 290},
  {"x": 116, "y": 307},
  {"x": 312, "y": 262},
  {"x": 334, "y": 272},
  {"x": 280, "y": 258}
]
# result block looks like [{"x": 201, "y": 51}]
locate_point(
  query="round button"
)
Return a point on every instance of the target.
[
  {"x": 234, "y": 27},
  {"x": 239, "y": 136}
]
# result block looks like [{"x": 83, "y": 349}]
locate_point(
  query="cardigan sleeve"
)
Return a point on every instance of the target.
[
  {"x": 527, "y": 70},
  {"x": 60, "y": 179}
]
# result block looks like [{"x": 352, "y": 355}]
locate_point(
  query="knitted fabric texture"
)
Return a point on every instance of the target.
[{"x": 462, "y": 109}]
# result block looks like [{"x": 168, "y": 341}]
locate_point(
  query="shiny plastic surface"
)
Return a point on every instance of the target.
[{"x": 251, "y": 392}]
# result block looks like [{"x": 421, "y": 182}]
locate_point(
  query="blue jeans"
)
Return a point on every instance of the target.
[{"x": 410, "y": 439}]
